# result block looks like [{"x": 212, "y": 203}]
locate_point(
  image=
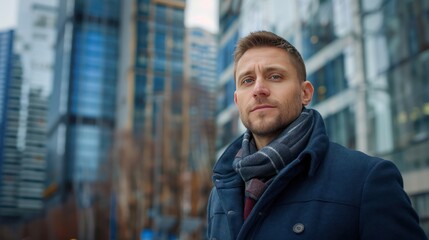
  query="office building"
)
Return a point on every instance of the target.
[
  {"x": 29, "y": 89},
  {"x": 6, "y": 45},
  {"x": 82, "y": 109},
  {"x": 228, "y": 125},
  {"x": 200, "y": 94},
  {"x": 7, "y": 167},
  {"x": 82, "y": 112},
  {"x": 202, "y": 85},
  {"x": 150, "y": 101}
]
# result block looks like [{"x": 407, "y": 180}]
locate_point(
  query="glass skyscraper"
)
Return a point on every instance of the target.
[
  {"x": 158, "y": 61},
  {"x": 83, "y": 103},
  {"x": 200, "y": 95},
  {"x": 7, "y": 167},
  {"x": 28, "y": 92},
  {"x": 201, "y": 75},
  {"x": 6, "y": 56},
  {"x": 150, "y": 101},
  {"x": 82, "y": 112}
]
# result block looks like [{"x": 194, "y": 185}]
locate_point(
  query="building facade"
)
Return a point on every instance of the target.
[
  {"x": 6, "y": 56},
  {"x": 150, "y": 105},
  {"x": 7, "y": 167},
  {"x": 228, "y": 125},
  {"x": 29, "y": 90},
  {"x": 82, "y": 108},
  {"x": 396, "y": 51},
  {"x": 365, "y": 60},
  {"x": 200, "y": 94},
  {"x": 201, "y": 80}
]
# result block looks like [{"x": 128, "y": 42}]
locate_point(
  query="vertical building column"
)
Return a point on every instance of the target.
[{"x": 359, "y": 80}]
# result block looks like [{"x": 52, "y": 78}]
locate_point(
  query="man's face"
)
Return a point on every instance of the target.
[{"x": 269, "y": 95}]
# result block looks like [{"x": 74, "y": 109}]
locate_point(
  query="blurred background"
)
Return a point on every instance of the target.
[{"x": 112, "y": 113}]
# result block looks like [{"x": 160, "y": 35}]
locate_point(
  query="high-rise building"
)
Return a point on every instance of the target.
[
  {"x": 29, "y": 89},
  {"x": 6, "y": 56},
  {"x": 7, "y": 167},
  {"x": 82, "y": 106},
  {"x": 366, "y": 60},
  {"x": 200, "y": 94},
  {"x": 202, "y": 86},
  {"x": 151, "y": 62},
  {"x": 150, "y": 99},
  {"x": 82, "y": 111}
]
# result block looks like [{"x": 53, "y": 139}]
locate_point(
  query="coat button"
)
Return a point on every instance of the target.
[
  {"x": 231, "y": 212},
  {"x": 298, "y": 228}
]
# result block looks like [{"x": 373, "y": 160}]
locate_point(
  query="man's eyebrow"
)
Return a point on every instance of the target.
[
  {"x": 240, "y": 75},
  {"x": 276, "y": 68}
]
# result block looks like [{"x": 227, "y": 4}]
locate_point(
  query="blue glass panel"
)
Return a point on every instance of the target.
[
  {"x": 159, "y": 63},
  {"x": 178, "y": 16},
  {"x": 160, "y": 41},
  {"x": 85, "y": 143},
  {"x": 160, "y": 13},
  {"x": 230, "y": 88},
  {"x": 140, "y": 84},
  {"x": 159, "y": 84}
]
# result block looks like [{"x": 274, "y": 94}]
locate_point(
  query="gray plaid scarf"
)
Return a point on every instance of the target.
[{"x": 258, "y": 167}]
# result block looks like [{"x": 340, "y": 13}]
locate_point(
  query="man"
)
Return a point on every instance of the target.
[{"x": 283, "y": 178}]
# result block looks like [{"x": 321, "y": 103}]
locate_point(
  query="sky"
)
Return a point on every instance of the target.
[
  {"x": 199, "y": 13},
  {"x": 202, "y": 13},
  {"x": 8, "y": 10}
]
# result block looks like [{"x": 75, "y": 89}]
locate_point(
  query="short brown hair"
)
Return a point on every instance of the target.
[{"x": 269, "y": 39}]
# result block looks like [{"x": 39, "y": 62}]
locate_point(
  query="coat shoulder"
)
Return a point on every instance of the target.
[
  {"x": 349, "y": 159},
  {"x": 346, "y": 171}
]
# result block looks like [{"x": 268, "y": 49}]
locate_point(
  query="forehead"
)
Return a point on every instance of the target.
[{"x": 263, "y": 57}]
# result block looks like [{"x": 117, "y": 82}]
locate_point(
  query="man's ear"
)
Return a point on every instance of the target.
[
  {"x": 235, "y": 97},
  {"x": 307, "y": 91}
]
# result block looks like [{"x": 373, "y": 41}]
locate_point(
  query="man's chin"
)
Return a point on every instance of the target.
[{"x": 265, "y": 128}]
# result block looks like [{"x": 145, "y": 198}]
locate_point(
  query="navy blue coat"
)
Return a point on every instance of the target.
[{"x": 327, "y": 192}]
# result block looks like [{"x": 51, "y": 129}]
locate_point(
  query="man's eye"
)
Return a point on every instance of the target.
[
  {"x": 275, "y": 77},
  {"x": 246, "y": 81}
]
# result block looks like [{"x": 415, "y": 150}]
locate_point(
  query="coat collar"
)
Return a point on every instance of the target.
[
  {"x": 313, "y": 154},
  {"x": 317, "y": 146}
]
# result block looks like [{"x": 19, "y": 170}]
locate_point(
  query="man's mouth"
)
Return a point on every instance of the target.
[{"x": 261, "y": 107}]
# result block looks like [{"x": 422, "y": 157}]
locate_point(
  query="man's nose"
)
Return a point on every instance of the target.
[{"x": 260, "y": 88}]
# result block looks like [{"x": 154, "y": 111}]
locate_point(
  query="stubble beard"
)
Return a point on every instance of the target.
[{"x": 264, "y": 125}]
